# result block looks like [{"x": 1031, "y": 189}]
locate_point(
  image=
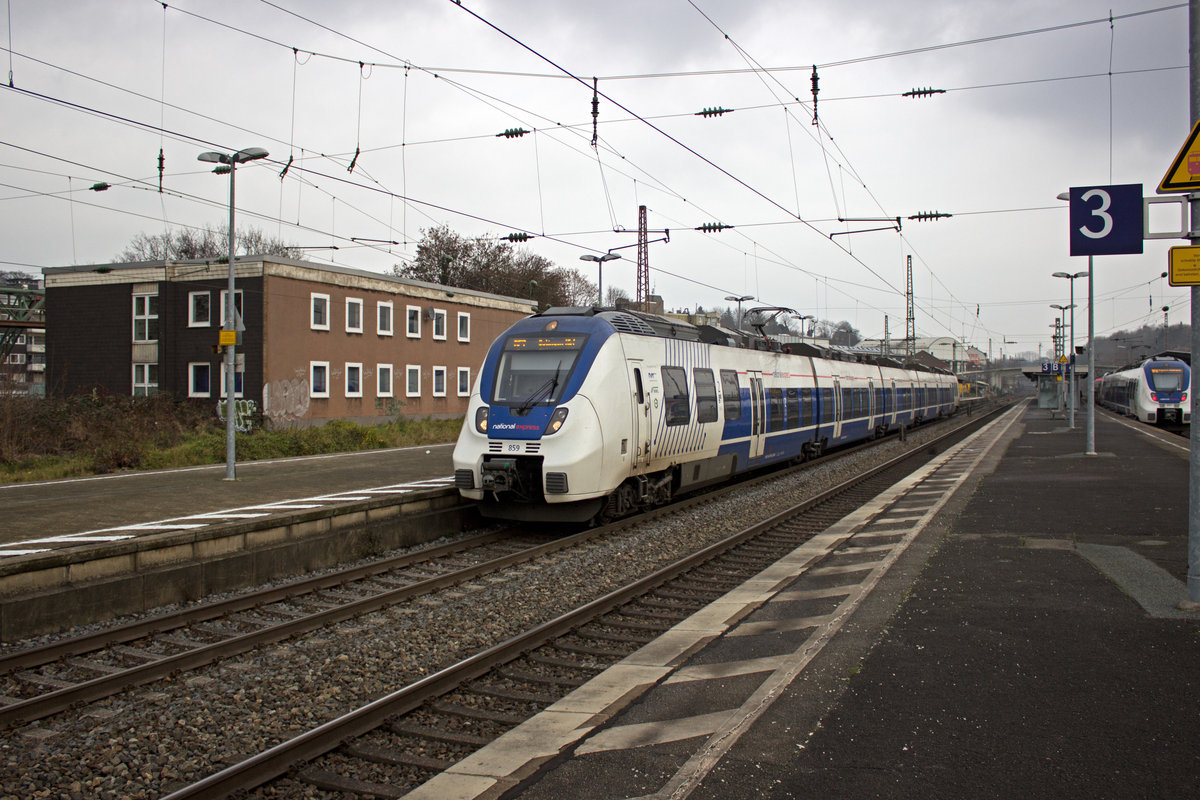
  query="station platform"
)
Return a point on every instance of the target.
[{"x": 1025, "y": 641}]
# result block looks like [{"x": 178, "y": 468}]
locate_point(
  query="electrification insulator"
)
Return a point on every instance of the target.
[
  {"x": 926, "y": 92},
  {"x": 99, "y": 187},
  {"x": 517, "y": 237},
  {"x": 513, "y": 133},
  {"x": 713, "y": 112},
  {"x": 926, "y": 216},
  {"x": 713, "y": 227}
]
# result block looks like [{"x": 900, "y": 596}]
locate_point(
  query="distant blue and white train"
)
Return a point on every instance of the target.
[
  {"x": 1155, "y": 391},
  {"x": 580, "y": 413}
]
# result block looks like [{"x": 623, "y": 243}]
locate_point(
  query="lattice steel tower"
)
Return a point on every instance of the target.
[{"x": 910, "y": 325}]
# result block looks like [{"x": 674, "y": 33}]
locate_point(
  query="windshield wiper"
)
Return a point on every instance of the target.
[{"x": 545, "y": 390}]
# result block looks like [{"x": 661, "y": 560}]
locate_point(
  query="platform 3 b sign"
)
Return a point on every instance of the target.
[{"x": 1106, "y": 220}]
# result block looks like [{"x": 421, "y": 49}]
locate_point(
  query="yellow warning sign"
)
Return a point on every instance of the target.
[
  {"x": 1184, "y": 174},
  {"x": 226, "y": 338},
  {"x": 1184, "y": 266}
]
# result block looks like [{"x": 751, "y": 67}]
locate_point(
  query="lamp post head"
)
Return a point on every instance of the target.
[
  {"x": 741, "y": 299},
  {"x": 1062, "y": 275}
]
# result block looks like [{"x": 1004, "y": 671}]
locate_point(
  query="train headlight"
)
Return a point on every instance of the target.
[
  {"x": 556, "y": 420},
  {"x": 481, "y": 419}
]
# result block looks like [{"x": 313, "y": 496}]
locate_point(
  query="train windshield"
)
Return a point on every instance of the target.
[
  {"x": 1166, "y": 379},
  {"x": 534, "y": 368}
]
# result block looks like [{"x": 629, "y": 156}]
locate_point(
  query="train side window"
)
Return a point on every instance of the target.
[
  {"x": 793, "y": 408},
  {"x": 806, "y": 407},
  {"x": 732, "y": 395},
  {"x": 775, "y": 406},
  {"x": 827, "y": 405},
  {"x": 847, "y": 403},
  {"x": 637, "y": 386},
  {"x": 675, "y": 395},
  {"x": 706, "y": 395}
]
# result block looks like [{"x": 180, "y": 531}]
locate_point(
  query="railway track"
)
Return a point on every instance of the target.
[
  {"x": 42, "y": 681},
  {"x": 395, "y": 743}
]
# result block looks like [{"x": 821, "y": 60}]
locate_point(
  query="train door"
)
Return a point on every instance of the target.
[
  {"x": 640, "y": 426},
  {"x": 872, "y": 410},
  {"x": 838, "y": 410},
  {"x": 758, "y": 420}
]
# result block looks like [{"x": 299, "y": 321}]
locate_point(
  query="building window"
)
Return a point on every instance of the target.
[
  {"x": 412, "y": 386},
  {"x": 237, "y": 305},
  {"x": 383, "y": 383},
  {"x": 238, "y": 375},
  {"x": 199, "y": 379},
  {"x": 439, "y": 381},
  {"x": 353, "y": 380},
  {"x": 145, "y": 318},
  {"x": 145, "y": 379},
  {"x": 464, "y": 381},
  {"x": 199, "y": 309},
  {"x": 439, "y": 323},
  {"x": 320, "y": 312},
  {"x": 464, "y": 326},
  {"x": 15, "y": 358},
  {"x": 318, "y": 379},
  {"x": 383, "y": 324},
  {"x": 414, "y": 322},
  {"x": 354, "y": 315}
]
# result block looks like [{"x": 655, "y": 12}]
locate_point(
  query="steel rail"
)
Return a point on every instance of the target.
[{"x": 277, "y": 760}]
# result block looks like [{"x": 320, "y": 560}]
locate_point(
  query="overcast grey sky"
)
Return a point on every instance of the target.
[{"x": 1030, "y": 109}]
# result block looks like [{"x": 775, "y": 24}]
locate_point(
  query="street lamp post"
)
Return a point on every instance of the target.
[
  {"x": 599, "y": 271},
  {"x": 1071, "y": 357},
  {"x": 801, "y": 318},
  {"x": 227, "y": 162},
  {"x": 739, "y": 300}
]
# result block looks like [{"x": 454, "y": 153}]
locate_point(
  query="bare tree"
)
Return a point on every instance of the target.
[
  {"x": 183, "y": 244},
  {"x": 491, "y": 265}
]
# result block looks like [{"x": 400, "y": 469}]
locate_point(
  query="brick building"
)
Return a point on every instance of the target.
[
  {"x": 22, "y": 335},
  {"x": 320, "y": 342}
]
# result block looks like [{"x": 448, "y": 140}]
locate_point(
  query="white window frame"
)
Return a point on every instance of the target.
[
  {"x": 312, "y": 307},
  {"x": 313, "y": 366},
  {"x": 464, "y": 390},
  {"x": 351, "y": 303},
  {"x": 149, "y": 387},
  {"x": 440, "y": 316},
  {"x": 193, "y": 366},
  {"x": 238, "y": 305},
  {"x": 194, "y": 320},
  {"x": 409, "y": 371},
  {"x": 354, "y": 367},
  {"x": 464, "y": 322},
  {"x": 439, "y": 372},
  {"x": 380, "y": 371},
  {"x": 239, "y": 376},
  {"x": 413, "y": 332},
  {"x": 390, "y": 329},
  {"x": 146, "y": 317}
]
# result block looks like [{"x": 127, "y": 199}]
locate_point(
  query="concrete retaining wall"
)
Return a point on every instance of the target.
[{"x": 79, "y": 585}]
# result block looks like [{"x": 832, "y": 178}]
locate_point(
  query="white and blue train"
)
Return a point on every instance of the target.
[
  {"x": 1155, "y": 391},
  {"x": 581, "y": 414}
]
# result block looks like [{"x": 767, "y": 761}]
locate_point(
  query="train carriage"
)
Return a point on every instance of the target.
[
  {"x": 1155, "y": 391},
  {"x": 579, "y": 413}
]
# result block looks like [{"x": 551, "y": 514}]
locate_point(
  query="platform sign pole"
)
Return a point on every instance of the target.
[{"x": 1193, "y": 576}]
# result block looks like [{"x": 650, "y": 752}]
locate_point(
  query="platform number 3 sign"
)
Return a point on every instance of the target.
[{"x": 1106, "y": 220}]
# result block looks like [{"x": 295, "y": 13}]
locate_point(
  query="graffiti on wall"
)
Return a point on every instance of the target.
[
  {"x": 244, "y": 412},
  {"x": 285, "y": 400}
]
